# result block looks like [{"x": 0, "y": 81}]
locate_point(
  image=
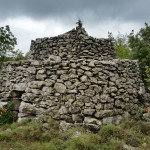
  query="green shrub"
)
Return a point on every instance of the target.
[
  {"x": 139, "y": 113},
  {"x": 5, "y": 136},
  {"x": 6, "y": 114},
  {"x": 83, "y": 142},
  {"x": 73, "y": 132},
  {"x": 54, "y": 144},
  {"x": 148, "y": 76},
  {"x": 133, "y": 140},
  {"x": 22, "y": 123},
  {"x": 128, "y": 124},
  {"x": 142, "y": 127},
  {"x": 29, "y": 132},
  {"x": 28, "y": 135},
  {"x": 112, "y": 144},
  {"x": 109, "y": 131}
]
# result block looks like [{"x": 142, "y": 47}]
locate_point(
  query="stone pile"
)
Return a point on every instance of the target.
[
  {"x": 75, "y": 44},
  {"x": 82, "y": 91},
  {"x": 72, "y": 78}
]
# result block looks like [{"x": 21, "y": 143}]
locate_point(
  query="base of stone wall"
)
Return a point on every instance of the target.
[{"x": 79, "y": 91}]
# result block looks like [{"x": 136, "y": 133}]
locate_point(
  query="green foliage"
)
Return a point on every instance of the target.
[
  {"x": 27, "y": 135},
  {"x": 6, "y": 115},
  {"x": 83, "y": 142},
  {"x": 133, "y": 141},
  {"x": 140, "y": 45},
  {"x": 148, "y": 76},
  {"x": 7, "y": 41},
  {"x": 121, "y": 46},
  {"x": 54, "y": 144},
  {"x": 123, "y": 52},
  {"x": 7, "y": 46},
  {"x": 113, "y": 144},
  {"x": 135, "y": 46},
  {"x": 143, "y": 127},
  {"x": 139, "y": 113},
  {"x": 110, "y": 131}
]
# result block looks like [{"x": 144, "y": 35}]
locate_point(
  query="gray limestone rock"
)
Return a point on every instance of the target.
[
  {"x": 64, "y": 126},
  {"x": 9, "y": 68},
  {"x": 60, "y": 88},
  {"x": 41, "y": 77},
  {"x": 41, "y": 71},
  {"x": 88, "y": 73},
  {"x": 3, "y": 104},
  {"x": 84, "y": 78},
  {"x": 92, "y": 63},
  {"x": 35, "y": 63},
  {"x": 78, "y": 118},
  {"x": 85, "y": 68},
  {"x": 88, "y": 111},
  {"x": 47, "y": 90},
  {"x": 31, "y": 70},
  {"x": 64, "y": 77},
  {"x": 29, "y": 97},
  {"x": 27, "y": 108},
  {"x": 89, "y": 93},
  {"x": 146, "y": 116},
  {"x": 54, "y": 59},
  {"x": 112, "y": 120},
  {"x": 74, "y": 110},
  {"x": 93, "y": 80},
  {"x": 75, "y": 78},
  {"x": 63, "y": 110},
  {"x": 36, "y": 84},
  {"x": 104, "y": 113},
  {"x": 20, "y": 87},
  {"x": 89, "y": 120},
  {"x": 36, "y": 91},
  {"x": 74, "y": 91},
  {"x": 82, "y": 86}
]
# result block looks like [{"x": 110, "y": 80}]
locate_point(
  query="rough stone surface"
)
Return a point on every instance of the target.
[
  {"x": 73, "y": 78},
  {"x": 75, "y": 44},
  {"x": 146, "y": 116},
  {"x": 60, "y": 88}
]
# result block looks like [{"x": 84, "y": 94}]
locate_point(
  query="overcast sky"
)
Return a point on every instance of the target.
[{"x": 31, "y": 19}]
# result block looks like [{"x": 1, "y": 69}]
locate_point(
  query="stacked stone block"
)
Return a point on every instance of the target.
[
  {"x": 82, "y": 91},
  {"x": 75, "y": 44},
  {"x": 72, "y": 78}
]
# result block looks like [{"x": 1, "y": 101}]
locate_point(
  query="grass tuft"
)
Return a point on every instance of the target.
[{"x": 28, "y": 135}]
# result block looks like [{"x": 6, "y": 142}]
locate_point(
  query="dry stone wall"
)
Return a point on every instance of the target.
[
  {"x": 72, "y": 78},
  {"x": 75, "y": 44},
  {"x": 82, "y": 91}
]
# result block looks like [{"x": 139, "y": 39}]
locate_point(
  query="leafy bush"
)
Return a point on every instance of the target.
[
  {"x": 121, "y": 47},
  {"x": 83, "y": 142},
  {"x": 148, "y": 77},
  {"x": 113, "y": 144},
  {"x": 139, "y": 43},
  {"x": 133, "y": 140},
  {"x": 142, "y": 127},
  {"x": 7, "y": 46},
  {"x": 6, "y": 115},
  {"x": 110, "y": 131}
]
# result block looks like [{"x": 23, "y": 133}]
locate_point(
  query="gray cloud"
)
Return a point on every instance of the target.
[
  {"x": 92, "y": 10},
  {"x": 30, "y": 19}
]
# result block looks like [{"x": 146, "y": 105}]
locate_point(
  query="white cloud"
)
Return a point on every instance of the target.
[
  {"x": 27, "y": 29},
  {"x": 100, "y": 30}
]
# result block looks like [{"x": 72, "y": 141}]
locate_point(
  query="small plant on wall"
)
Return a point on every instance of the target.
[{"x": 6, "y": 115}]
